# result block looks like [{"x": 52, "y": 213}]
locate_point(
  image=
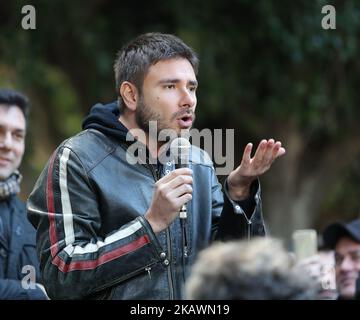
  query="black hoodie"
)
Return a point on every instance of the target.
[{"x": 105, "y": 118}]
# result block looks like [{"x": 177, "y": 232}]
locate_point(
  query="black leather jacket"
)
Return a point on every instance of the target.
[{"x": 93, "y": 241}]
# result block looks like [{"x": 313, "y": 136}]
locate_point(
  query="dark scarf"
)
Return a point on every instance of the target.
[{"x": 10, "y": 186}]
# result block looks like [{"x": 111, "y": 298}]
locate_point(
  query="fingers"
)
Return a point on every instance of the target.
[
  {"x": 171, "y": 192},
  {"x": 275, "y": 150},
  {"x": 270, "y": 151},
  {"x": 174, "y": 174},
  {"x": 178, "y": 180},
  {"x": 183, "y": 199},
  {"x": 247, "y": 153},
  {"x": 260, "y": 151},
  {"x": 180, "y": 191},
  {"x": 175, "y": 184},
  {"x": 267, "y": 152},
  {"x": 281, "y": 152}
]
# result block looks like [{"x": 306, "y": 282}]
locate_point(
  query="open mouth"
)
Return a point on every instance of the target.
[{"x": 185, "y": 121}]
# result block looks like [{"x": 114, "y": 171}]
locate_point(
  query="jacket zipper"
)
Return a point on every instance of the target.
[
  {"x": 130, "y": 275},
  {"x": 148, "y": 270},
  {"x": 249, "y": 229},
  {"x": 184, "y": 245},
  {"x": 156, "y": 176},
  {"x": 184, "y": 240},
  {"x": 169, "y": 269},
  {"x": 248, "y": 221}
]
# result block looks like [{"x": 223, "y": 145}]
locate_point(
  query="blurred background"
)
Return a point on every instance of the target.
[{"x": 268, "y": 70}]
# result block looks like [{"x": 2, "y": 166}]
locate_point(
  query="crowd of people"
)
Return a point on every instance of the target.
[{"x": 98, "y": 226}]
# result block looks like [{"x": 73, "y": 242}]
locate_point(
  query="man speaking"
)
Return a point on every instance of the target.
[{"x": 109, "y": 227}]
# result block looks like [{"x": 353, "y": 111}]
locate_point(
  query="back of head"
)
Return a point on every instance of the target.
[
  {"x": 259, "y": 269},
  {"x": 10, "y": 97},
  {"x": 135, "y": 58}
]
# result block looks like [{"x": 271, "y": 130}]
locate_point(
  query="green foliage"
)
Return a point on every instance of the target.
[
  {"x": 263, "y": 63},
  {"x": 268, "y": 59},
  {"x": 343, "y": 199}
]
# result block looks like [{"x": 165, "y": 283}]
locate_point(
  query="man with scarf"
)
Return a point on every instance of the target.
[{"x": 18, "y": 261}]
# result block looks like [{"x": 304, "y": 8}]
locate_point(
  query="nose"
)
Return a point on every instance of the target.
[
  {"x": 6, "y": 140},
  {"x": 188, "y": 99},
  {"x": 347, "y": 264}
]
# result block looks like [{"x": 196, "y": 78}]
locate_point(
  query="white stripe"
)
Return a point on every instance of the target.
[
  {"x": 94, "y": 247},
  {"x": 38, "y": 211},
  {"x": 68, "y": 218},
  {"x": 65, "y": 199},
  {"x": 91, "y": 247}
]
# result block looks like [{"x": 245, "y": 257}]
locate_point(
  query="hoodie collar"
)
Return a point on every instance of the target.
[{"x": 105, "y": 118}]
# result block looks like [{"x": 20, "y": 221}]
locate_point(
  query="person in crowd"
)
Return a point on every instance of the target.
[
  {"x": 344, "y": 239},
  {"x": 108, "y": 219},
  {"x": 19, "y": 266},
  {"x": 259, "y": 269}
]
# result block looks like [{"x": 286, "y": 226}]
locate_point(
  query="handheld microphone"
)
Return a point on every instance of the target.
[{"x": 180, "y": 149}]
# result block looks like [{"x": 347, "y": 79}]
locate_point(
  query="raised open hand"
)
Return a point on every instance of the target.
[{"x": 240, "y": 179}]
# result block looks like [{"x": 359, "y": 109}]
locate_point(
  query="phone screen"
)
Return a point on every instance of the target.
[{"x": 305, "y": 243}]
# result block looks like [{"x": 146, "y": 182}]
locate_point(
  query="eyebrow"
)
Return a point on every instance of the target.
[
  {"x": 18, "y": 130},
  {"x": 163, "y": 81},
  {"x": 349, "y": 252}
]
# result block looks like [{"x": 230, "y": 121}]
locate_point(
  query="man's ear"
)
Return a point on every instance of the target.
[{"x": 129, "y": 94}]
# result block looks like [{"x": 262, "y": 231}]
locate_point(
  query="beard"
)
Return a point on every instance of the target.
[{"x": 144, "y": 114}]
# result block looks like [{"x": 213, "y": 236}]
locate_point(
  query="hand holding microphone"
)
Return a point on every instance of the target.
[
  {"x": 180, "y": 148},
  {"x": 171, "y": 191}
]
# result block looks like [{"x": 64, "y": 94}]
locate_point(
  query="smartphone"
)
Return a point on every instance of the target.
[{"x": 304, "y": 243}]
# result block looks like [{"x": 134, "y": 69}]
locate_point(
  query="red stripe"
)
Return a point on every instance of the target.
[
  {"x": 51, "y": 207},
  {"x": 106, "y": 257}
]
